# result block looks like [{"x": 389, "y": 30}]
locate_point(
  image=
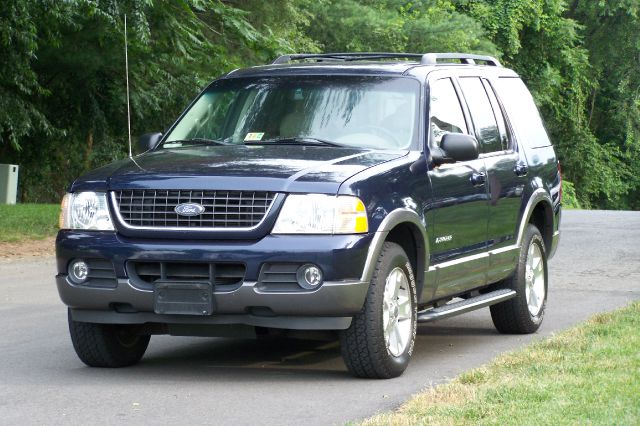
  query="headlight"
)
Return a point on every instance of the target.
[
  {"x": 85, "y": 210},
  {"x": 322, "y": 214}
]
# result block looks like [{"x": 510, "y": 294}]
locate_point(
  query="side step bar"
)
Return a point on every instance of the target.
[{"x": 466, "y": 305}]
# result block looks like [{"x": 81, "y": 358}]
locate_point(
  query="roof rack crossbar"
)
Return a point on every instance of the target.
[
  {"x": 465, "y": 58},
  {"x": 425, "y": 58}
]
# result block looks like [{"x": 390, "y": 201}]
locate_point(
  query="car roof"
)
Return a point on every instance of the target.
[{"x": 372, "y": 64}]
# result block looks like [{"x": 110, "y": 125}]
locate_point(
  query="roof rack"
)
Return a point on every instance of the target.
[
  {"x": 425, "y": 58},
  {"x": 362, "y": 56}
]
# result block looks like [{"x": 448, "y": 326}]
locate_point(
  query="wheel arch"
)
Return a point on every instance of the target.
[
  {"x": 405, "y": 228},
  {"x": 539, "y": 212}
]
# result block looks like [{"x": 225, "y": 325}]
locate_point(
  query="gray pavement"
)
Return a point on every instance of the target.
[{"x": 276, "y": 381}]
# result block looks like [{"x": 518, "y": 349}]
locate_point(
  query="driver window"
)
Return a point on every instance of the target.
[
  {"x": 445, "y": 110},
  {"x": 206, "y": 119}
]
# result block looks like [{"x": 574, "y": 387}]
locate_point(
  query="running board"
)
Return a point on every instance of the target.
[{"x": 466, "y": 305}]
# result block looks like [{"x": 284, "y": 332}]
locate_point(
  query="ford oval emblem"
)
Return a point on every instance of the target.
[{"x": 189, "y": 209}]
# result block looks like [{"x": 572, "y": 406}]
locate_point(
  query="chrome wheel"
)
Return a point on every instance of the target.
[
  {"x": 534, "y": 280},
  {"x": 396, "y": 312}
]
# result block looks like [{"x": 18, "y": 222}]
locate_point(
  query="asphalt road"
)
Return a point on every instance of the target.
[{"x": 276, "y": 381}]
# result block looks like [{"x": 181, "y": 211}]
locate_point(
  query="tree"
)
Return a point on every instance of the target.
[
  {"x": 395, "y": 26},
  {"x": 63, "y": 94},
  {"x": 545, "y": 48},
  {"x": 612, "y": 35}
]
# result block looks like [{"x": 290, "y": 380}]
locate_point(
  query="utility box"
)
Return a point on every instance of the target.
[{"x": 8, "y": 183}]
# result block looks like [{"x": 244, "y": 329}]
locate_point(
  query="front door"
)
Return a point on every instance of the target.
[{"x": 459, "y": 204}]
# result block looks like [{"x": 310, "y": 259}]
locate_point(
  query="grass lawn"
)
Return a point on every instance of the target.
[
  {"x": 589, "y": 374},
  {"x": 28, "y": 221}
]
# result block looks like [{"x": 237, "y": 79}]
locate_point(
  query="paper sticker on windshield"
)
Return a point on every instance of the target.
[{"x": 254, "y": 137}]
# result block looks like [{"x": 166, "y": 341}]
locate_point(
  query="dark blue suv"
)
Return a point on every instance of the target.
[{"x": 360, "y": 193}]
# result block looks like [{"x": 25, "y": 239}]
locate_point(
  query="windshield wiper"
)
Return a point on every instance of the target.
[
  {"x": 295, "y": 141},
  {"x": 199, "y": 141}
]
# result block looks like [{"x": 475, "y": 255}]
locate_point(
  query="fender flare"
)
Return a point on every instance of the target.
[
  {"x": 393, "y": 219},
  {"x": 538, "y": 196}
]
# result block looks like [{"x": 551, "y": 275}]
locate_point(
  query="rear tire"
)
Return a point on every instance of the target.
[
  {"x": 524, "y": 313},
  {"x": 106, "y": 345},
  {"x": 380, "y": 340}
]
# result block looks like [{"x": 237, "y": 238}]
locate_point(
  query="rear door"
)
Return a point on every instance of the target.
[{"x": 460, "y": 207}]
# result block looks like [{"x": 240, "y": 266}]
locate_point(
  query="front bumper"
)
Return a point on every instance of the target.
[{"x": 341, "y": 258}]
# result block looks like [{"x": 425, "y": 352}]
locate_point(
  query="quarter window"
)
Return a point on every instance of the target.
[
  {"x": 482, "y": 114},
  {"x": 522, "y": 112},
  {"x": 445, "y": 110}
]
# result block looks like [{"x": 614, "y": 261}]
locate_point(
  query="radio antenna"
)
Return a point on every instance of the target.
[{"x": 126, "y": 66}]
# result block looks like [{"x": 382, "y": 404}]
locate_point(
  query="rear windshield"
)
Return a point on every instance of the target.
[
  {"x": 522, "y": 112},
  {"x": 364, "y": 112}
]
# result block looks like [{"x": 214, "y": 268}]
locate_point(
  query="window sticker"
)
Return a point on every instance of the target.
[
  {"x": 254, "y": 136},
  {"x": 172, "y": 145}
]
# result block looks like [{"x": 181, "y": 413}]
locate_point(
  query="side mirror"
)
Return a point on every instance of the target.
[
  {"x": 149, "y": 141},
  {"x": 460, "y": 147}
]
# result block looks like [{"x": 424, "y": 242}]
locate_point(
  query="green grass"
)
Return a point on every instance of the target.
[
  {"x": 28, "y": 221},
  {"x": 589, "y": 374}
]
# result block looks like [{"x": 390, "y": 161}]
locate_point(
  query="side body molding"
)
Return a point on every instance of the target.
[{"x": 393, "y": 219}]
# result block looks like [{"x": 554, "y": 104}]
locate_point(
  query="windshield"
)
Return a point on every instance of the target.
[{"x": 362, "y": 112}]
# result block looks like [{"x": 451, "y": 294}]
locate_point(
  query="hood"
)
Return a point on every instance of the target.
[{"x": 279, "y": 168}]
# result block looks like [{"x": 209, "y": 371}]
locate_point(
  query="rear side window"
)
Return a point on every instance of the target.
[
  {"x": 482, "y": 114},
  {"x": 497, "y": 111},
  {"x": 522, "y": 112},
  {"x": 445, "y": 110}
]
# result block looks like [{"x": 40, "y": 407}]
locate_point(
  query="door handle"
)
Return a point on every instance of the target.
[
  {"x": 521, "y": 169},
  {"x": 478, "y": 179}
]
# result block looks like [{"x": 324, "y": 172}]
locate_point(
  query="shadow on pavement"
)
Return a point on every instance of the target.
[{"x": 270, "y": 358}]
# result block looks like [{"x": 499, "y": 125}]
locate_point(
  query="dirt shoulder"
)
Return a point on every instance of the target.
[{"x": 27, "y": 249}]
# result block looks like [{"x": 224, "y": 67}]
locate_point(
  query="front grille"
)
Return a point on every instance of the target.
[
  {"x": 224, "y": 276},
  {"x": 150, "y": 208}
]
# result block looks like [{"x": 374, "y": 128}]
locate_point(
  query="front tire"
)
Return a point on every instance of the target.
[
  {"x": 380, "y": 340},
  {"x": 524, "y": 313},
  {"x": 106, "y": 345}
]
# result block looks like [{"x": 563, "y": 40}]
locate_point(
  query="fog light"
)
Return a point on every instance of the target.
[
  {"x": 309, "y": 276},
  {"x": 78, "y": 271}
]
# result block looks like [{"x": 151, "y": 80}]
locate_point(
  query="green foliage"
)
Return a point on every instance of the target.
[
  {"x": 569, "y": 197},
  {"x": 18, "y": 81},
  {"x": 62, "y": 93},
  {"x": 612, "y": 34},
  {"x": 395, "y": 25}
]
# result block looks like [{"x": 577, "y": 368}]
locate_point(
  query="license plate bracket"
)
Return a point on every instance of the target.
[{"x": 183, "y": 298}]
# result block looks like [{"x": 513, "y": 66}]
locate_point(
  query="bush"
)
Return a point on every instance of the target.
[{"x": 569, "y": 197}]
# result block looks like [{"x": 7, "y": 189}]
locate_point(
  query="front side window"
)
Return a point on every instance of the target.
[
  {"x": 444, "y": 110},
  {"x": 363, "y": 112}
]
